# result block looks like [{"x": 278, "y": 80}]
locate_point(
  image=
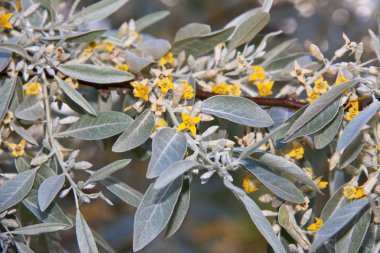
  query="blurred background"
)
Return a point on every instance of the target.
[{"x": 216, "y": 222}]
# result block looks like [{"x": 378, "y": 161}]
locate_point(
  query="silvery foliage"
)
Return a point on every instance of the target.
[{"x": 45, "y": 50}]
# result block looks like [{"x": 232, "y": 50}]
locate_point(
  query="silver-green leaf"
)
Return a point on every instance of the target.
[
  {"x": 327, "y": 134},
  {"x": 49, "y": 189},
  {"x": 40, "y": 228},
  {"x": 150, "y": 19},
  {"x": 106, "y": 171},
  {"x": 192, "y": 30},
  {"x": 123, "y": 191},
  {"x": 30, "y": 109},
  {"x": 6, "y": 93},
  {"x": 86, "y": 241}
]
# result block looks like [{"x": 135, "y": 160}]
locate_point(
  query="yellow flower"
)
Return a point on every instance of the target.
[
  {"x": 297, "y": 151},
  {"x": 17, "y": 149},
  {"x": 315, "y": 226},
  {"x": 221, "y": 89},
  {"x": 189, "y": 122},
  {"x": 312, "y": 95},
  {"x": 141, "y": 89},
  {"x": 352, "y": 113},
  {"x": 353, "y": 192},
  {"x": 321, "y": 85},
  {"x": 321, "y": 184},
  {"x": 188, "y": 92},
  {"x": 160, "y": 122},
  {"x": 8, "y": 117},
  {"x": 165, "y": 84},
  {"x": 105, "y": 46},
  {"x": 265, "y": 88},
  {"x": 166, "y": 59},
  {"x": 258, "y": 74},
  {"x": 359, "y": 193},
  {"x": 4, "y": 20},
  {"x": 235, "y": 90},
  {"x": 32, "y": 89},
  {"x": 341, "y": 79},
  {"x": 378, "y": 147},
  {"x": 299, "y": 72},
  {"x": 123, "y": 67},
  {"x": 248, "y": 184},
  {"x": 18, "y": 5}
]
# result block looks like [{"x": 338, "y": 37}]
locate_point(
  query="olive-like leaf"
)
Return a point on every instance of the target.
[
  {"x": 237, "y": 109},
  {"x": 257, "y": 217},
  {"x": 123, "y": 191},
  {"x": 351, "y": 152},
  {"x": 280, "y": 186},
  {"x": 150, "y": 19},
  {"x": 15, "y": 189},
  {"x": 6, "y": 93},
  {"x": 75, "y": 96},
  {"x": 334, "y": 203},
  {"x": 154, "y": 213},
  {"x": 23, "y": 248},
  {"x": 95, "y": 74},
  {"x": 16, "y": 49},
  {"x": 30, "y": 109},
  {"x": 104, "y": 125},
  {"x": 40, "y": 228},
  {"x": 106, "y": 171},
  {"x": 192, "y": 30},
  {"x": 86, "y": 241},
  {"x": 5, "y": 58},
  {"x": 327, "y": 134},
  {"x": 80, "y": 37},
  {"x": 276, "y": 51},
  {"x": 136, "y": 134},
  {"x": 22, "y": 132},
  {"x": 338, "y": 221},
  {"x": 168, "y": 147},
  {"x": 355, "y": 126},
  {"x": 49, "y": 189}
]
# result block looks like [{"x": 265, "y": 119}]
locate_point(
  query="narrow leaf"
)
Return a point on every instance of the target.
[
  {"x": 106, "y": 171},
  {"x": 30, "y": 109},
  {"x": 192, "y": 30},
  {"x": 39, "y": 229},
  {"x": 327, "y": 134},
  {"x": 49, "y": 189},
  {"x": 150, "y": 19},
  {"x": 85, "y": 238},
  {"x": 123, "y": 191},
  {"x": 16, "y": 49},
  {"x": 6, "y": 93}
]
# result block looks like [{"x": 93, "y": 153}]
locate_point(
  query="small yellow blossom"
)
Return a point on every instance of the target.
[
  {"x": 341, "y": 79},
  {"x": 18, "y": 5},
  {"x": 321, "y": 184},
  {"x": 235, "y": 90},
  {"x": 352, "y": 113},
  {"x": 321, "y": 85},
  {"x": 105, "y": 46},
  {"x": 378, "y": 147},
  {"x": 315, "y": 226},
  {"x": 312, "y": 95},
  {"x": 4, "y": 20},
  {"x": 165, "y": 84},
  {"x": 258, "y": 74},
  {"x": 299, "y": 72},
  {"x": 248, "y": 184},
  {"x": 359, "y": 193},
  {"x": 189, "y": 90},
  {"x": 265, "y": 88},
  {"x": 353, "y": 192},
  {"x": 17, "y": 149},
  {"x": 123, "y": 67},
  {"x": 189, "y": 122},
  {"x": 160, "y": 122},
  {"x": 221, "y": 89},
  {"x": 141, "y": 89},
  {"x": 166, "y": 59},
  {"x": 297, "y": 151},
  {"x": 32, "y": 89},
  {"x": 8, "y": 117}
]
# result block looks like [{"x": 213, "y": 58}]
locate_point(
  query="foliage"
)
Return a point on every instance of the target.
[{"x": 188, "y": 99}]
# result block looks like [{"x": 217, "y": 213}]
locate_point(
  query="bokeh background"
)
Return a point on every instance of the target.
[{"x": 216, "y": 222}]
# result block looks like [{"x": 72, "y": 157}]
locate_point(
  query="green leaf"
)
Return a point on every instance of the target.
[
  {"x": 53, "y": 214},
  {"x": 257, "y": 217},
  {"x": 351, "y": 152},
  {"x": 156, "y": 48},
  {"x": 283, "y": 166},
  {"x": 327, "y": 134},
  {"x": 154, "y": 213},
  {"x": 80, "y": 37},
  {"x": 106, "y": 171},
  {"x": 333, "y": 204},
  {"x": 355, "y": 126},
  {"x": 200, "y": 45},
  {"x": 6, "y": 93},
  {"x": 180, "y": 210},
  {"x": 39, "y": 229},
  {"x": 237, "y": 109},
  {"x": 168, "y": 147},
  {"x": 338, "y": 221},
  {"x": 23, "y": 248},
  {"x": 319, "y": 105},
  {"x": 30, "y": 109},
  {"x": 49, "y": 189},
  {"x": 248, "y": 29},
  {"x": 136, "y": 134},
  {"x": 75, "y": 96},
  {"x": 318, "y": 122},
  {"x": 5, "y": 58},
  {"x": 15, "y": 189},
  {"x": 86, "y": 241},
  {"x": 351, "y": 241},
  {"x": 192, "y": 30},
  {"x": 104, "y": 125},
  {"x": 95, "y": 73},
  {"x": 280, "y": 186},
  {"x": 370, "y": 239},
  {"x": 375, "y": 44},
  {"x": 22, "y": 132},
  {"x": 97, "y": 11},
  {"x": 174, "y": 171},
  {"x": 22, "y": 163},
  {"x": 150, "y": 19},
  {"x": 276, "y": 51},
  {"x": 135, "y": 62},
  {"x": 123, "y": 191},
  {"x": 16, "y": 49}
]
